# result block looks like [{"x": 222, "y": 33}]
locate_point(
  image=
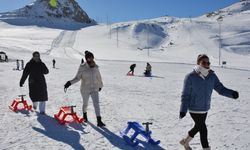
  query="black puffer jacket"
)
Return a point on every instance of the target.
[{"x": 37, "y": 82}]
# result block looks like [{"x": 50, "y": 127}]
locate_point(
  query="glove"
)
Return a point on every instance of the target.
[
  {"x": 66, "y": 86},
  {"x": 100, "y": 89},
  {"x": 182, "y": 115},
  {"x": 235, "y": 95},
  {"x": 20, "y": 84}
]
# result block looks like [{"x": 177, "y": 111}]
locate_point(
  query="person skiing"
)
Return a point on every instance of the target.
[
  {"x": 54, "y": 63},
  {"x": 132, "y": 68},
  {"x": 147, "y": 72},
  {"x": 196, "y": 98},
  {"x": 91, "y": 85},
  {"x": 36, "y": 70}
]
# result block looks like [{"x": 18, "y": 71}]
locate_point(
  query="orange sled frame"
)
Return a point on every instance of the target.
[
  {"x": 67, "y": 111},
  {"x": 17, "y": 101}
]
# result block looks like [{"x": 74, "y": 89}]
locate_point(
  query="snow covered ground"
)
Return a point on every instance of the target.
[
  {"x": 126, "y": 98},
  {"x": 123, "y": 99}
]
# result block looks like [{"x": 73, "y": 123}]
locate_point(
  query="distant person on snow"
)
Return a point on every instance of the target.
[
  {"x": 22, "y": 64},
  {"x": 36, "y": 69},
  {"x": 148, "y": 70},
  {"x": 132, "y": 68},
  {"x": 17, "y": 64},
  {"x": 196, "y": 98},
  {"x": 91, "y": 85},
  {"x": 54, "y": 63}
]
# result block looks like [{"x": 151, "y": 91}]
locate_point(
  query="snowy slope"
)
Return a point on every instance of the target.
[
  {"x": 122, "y": 99},
  {"x": 173, "y": 45}
]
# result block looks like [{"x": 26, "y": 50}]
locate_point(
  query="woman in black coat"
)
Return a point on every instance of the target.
[{"x": 36, "y": 69}]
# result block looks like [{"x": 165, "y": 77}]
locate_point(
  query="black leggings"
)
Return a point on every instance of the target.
[{"x": 200, "y": 126}]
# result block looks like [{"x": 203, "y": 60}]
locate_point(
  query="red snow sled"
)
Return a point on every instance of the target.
[
  {"x": 14, "y": 106},
  {"x": 130, "y": 74},
  {"x": 66, "y": 111}
]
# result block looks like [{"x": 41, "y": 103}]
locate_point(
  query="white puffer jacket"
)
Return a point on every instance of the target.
[{"x": 91, "y": 78}]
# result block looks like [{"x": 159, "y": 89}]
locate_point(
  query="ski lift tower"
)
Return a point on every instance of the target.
[{"x": 219, "y": 20}]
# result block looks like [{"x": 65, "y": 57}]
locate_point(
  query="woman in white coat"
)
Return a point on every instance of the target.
[{"x": 91, "y": 85}]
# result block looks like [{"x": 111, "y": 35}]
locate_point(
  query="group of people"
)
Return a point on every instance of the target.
[
  {"x": 195, "y": 97},
  {"x": 147, "y": 72},
  {"x": 88, "y": 73}
]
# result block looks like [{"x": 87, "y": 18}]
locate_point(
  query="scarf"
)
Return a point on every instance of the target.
[{"x": 203, "y": 72}]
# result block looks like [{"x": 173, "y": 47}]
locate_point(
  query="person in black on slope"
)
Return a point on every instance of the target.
[
  {"x": 54, "y": 63},
  {"x": 36, "y": 70},
  {"x": 132, "y": 69}
]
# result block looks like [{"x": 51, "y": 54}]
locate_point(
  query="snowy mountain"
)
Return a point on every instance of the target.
[
  {"x": 164, "y": 39},
  {"x": 235, "y": 26},
  {"x": 41, "y": 12},
  {"x": 240, "y": 7}
]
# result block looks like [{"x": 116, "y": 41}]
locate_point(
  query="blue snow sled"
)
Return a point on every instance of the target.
[{"x": 138, "y": 130}]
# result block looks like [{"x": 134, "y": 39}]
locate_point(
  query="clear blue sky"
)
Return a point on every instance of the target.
[{"x": 125, "y": 10}]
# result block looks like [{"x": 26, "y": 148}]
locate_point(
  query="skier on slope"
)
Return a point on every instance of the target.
[
  {"x": 36, "y": 69},
  {"x": 91, "y": 85},
  {"x": 132, "y": 69},
  {"x": 196, "y": 98}
]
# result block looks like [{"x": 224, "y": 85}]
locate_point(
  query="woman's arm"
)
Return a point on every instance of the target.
[
  {"x": 77, "y": 77},
  {"x": 186, "y": 94},
  {"x": 26, "y": 72},
  {"x": 221, "y": 89}
]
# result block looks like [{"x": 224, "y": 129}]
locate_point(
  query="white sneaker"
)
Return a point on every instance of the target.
[{"x": 185, "y": 142}]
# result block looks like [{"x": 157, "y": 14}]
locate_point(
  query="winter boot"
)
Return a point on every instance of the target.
[
  {"x": 99, "y": 122},
  {"x": 185, "y": 142},
  {"x": 209, "y": 148},
  {"x": 85, "y": 117}
]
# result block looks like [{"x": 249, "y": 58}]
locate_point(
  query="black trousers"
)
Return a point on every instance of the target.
[{"x": 200, "y": 126}]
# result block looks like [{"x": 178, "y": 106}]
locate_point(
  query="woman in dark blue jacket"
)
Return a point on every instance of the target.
[{"x": 196, "y": 98}]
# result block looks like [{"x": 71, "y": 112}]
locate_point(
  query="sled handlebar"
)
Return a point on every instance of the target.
[
  {"x": 72, "y": 108},
  {"x": 22, "y": 97},
  {"x": 147, "y": 125}
]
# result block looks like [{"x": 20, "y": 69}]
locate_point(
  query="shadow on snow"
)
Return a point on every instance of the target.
[{"x": 58, "y": 132}]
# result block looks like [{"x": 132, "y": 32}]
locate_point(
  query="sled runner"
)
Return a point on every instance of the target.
[
  {"x": 14, "y": 106},
  {"x": 66, "y": 111},
  {"x": 138, "y": 130}
]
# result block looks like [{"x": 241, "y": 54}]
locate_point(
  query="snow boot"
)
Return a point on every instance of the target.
[
  {"x": 85, "y": 117},
  {"x": 99, "y": 122},
  {"x": 209, "y": 148},
  {"x": 185, "y": 142}
]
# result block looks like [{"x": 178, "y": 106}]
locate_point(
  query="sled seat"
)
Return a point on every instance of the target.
[{"x": 66, "y": 111}]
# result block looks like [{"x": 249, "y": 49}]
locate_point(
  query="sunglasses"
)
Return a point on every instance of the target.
[{"x": 205, "y": 63}]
